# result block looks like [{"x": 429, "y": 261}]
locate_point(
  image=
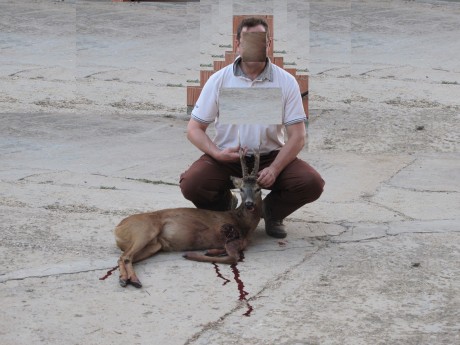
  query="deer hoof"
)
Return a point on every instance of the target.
[
  {"x": 123, "y": 282},
  {"x": 136, "y": 284}
]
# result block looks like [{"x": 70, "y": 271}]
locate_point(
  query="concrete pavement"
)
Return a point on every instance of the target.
[{"x": 374, "y": 260}]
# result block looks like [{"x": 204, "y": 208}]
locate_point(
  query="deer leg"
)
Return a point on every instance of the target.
[
  {"x": 232, "y": 249},
  {"x": 215, "y": 252},
  {"x": 123, "y": 279},
  {"x": 194, "y": 256},
  {"x": 127, "y": 274},
  {"x": 145, "y": 253},
  {"x": 148, "y": 251},
  {"x": 137, "y": 252}
]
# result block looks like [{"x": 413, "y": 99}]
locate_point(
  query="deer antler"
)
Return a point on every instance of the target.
[
  {"x": 256, "y": 163},
  {"x": 256, "y": 159},
  {"x": 244, "y": 168}
]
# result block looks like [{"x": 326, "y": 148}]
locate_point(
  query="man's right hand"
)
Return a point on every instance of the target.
[
  {"x": 196, "y": 133},
  {"x": 230, "y": 155}
]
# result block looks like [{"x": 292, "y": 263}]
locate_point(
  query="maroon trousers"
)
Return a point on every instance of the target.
[{"x": 207, "y": 183}]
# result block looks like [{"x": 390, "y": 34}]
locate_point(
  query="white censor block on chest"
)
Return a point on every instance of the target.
[{"x": 250, "y": 106}]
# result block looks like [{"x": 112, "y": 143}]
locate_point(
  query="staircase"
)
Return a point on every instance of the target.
[{"x": 193, "y": 92}]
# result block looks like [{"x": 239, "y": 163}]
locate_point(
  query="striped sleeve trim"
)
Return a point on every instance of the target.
[
  {"x": 292, "y": 122},
  {"x": 201, "y": 120}
]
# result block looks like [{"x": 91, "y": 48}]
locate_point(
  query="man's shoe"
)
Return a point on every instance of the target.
[{"x": 275, "y": 228}]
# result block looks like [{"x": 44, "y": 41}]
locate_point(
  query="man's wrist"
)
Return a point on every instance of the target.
[
  {"x": 214, "y": 152},
  {"x": 274, "y": 169}
]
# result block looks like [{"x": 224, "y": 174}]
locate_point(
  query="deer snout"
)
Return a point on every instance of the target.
[{"x": 249, "y": 205}]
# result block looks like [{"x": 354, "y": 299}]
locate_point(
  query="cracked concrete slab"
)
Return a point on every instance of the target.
[
  {"x": 419, "y": 205},
  {"x": 431, "y": 226},
  {"x": 362, "y": 232},
  {"x": 419, "y": 175},
  {"x": 374, "y": 260},
  {"x": 384, "y": 291}
]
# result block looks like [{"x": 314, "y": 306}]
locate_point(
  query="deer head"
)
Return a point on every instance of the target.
[{"x": 249, "y": 188}]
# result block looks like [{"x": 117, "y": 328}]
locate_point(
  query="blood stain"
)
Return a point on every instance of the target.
[
  {"x": 239, "y": 282},
  {"x": 219, "y": 275},
  {"x": 109, "y": 273},
  {"x": 242, "y": 291}
]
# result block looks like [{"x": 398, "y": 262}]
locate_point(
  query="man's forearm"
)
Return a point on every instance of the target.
[
  {"x": 200, "y": 139},
  {"x": 296, "y": 141},
  {"x": 288, "y": 153}
]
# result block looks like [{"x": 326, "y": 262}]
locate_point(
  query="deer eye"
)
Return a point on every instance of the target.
[{"x": 258, "y": 189}]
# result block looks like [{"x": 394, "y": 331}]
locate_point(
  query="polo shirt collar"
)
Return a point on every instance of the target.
[{"x": 266, "y": 74}]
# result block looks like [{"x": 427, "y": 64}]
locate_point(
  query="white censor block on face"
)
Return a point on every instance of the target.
[{"x": 250, "y": 106}]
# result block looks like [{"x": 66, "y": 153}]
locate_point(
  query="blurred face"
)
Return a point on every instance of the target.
[{"x": 253, "y": 45}]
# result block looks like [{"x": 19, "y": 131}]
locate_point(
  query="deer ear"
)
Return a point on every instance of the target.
[{"x": 237, "y": 182}]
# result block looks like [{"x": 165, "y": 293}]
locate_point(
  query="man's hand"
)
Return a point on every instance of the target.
[
  {"x": 267, "y": 177},
  {"x": 231, "y": 154},
  {"x": 196, "y": 133},
  {"x": 289, "y": 152}
]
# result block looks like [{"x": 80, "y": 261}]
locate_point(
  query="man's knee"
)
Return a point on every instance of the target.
[
  {"x": 309, "y": 186},
  {"x": 190, "y": 185},
  {"x": 315, "y": 186},
  {"x": 204, "y": 183}
]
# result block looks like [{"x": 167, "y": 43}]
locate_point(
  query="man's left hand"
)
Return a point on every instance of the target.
[{"x": 267, "y": 177}]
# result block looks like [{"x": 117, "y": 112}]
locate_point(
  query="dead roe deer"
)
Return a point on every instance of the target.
[{"x": 224, "y": 234}]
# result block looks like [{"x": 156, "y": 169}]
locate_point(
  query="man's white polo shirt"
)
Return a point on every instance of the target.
[{"x": 206, "y": 109}]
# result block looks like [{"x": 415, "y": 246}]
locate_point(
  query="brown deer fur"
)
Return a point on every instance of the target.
[{"x": 224, "y": 234}]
